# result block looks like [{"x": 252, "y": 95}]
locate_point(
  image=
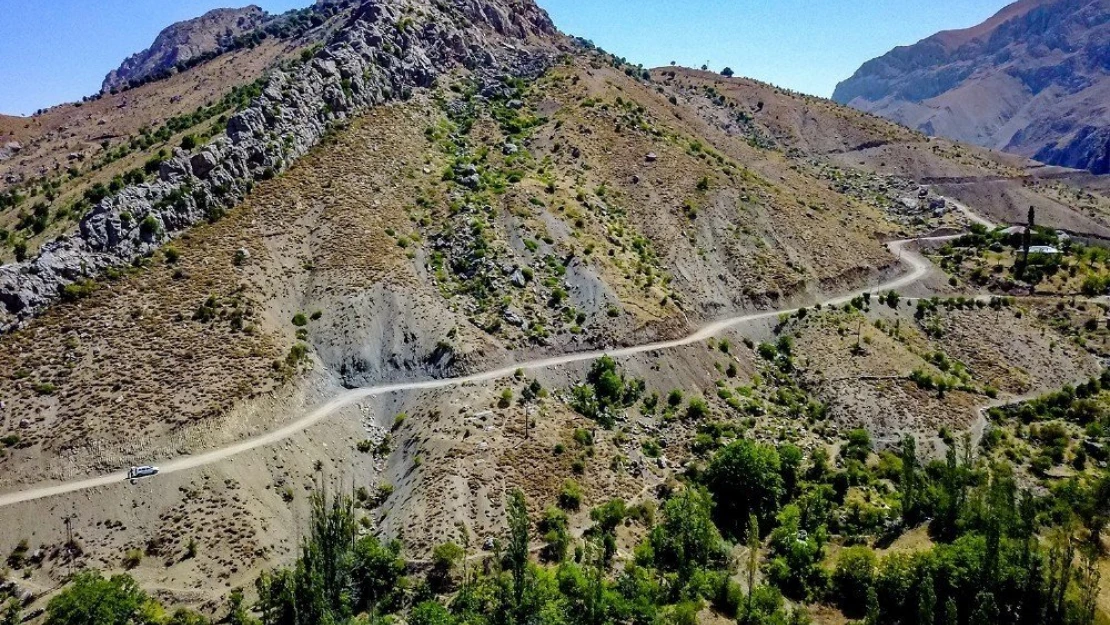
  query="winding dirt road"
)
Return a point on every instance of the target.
[{"x": 917, "y": 264}]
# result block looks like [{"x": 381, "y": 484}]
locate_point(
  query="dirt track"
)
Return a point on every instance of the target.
[{"x": 918, "y": 268}]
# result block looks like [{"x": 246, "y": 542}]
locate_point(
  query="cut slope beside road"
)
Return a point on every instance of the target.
[{"x": 917, "y": 264}]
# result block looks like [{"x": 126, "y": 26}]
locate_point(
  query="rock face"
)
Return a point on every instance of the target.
[
  {"x": 186, "y": 40},
  {"x": 1033, "y": 80},
  {"x": 382, "y": 54}
]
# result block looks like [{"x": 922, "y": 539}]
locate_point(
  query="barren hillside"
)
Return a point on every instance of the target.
[{"x": 385, "y": 258}]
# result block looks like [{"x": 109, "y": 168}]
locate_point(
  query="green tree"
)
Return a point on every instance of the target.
[
  {"x": 858, "y": 446},
  {"x": 952, "y": 497},
  {"x": 951, "y": 612},
  {"x": 91, "y": 599},
  {"x": 790, "y": 459},
  {"x": 926, "y": 600},
  {"x": 516, "y": 556},
  {"x": 445, "y": 557},
  {"x": 1026, "y": 242},
  {"x": 237, "y": 613},
  {"x": 795, "y": 565},
  {"x": 753, "y": 558},
  {"x": 872, "y": 604},
  {"x": 430, "y": 613},
  {"x": 745, "y": 478},
  {"x": 556, "y": 528},
  {"x": 606, "y": 518},
  {"x": 986, "y": 610},
  {"x": 909, "y": 481},
  {"x": 687, "y": 539},
  {"x": 332, "y": 563},
  {"x": 853, "y": 577},
  {"x": 766, "y": 608}
]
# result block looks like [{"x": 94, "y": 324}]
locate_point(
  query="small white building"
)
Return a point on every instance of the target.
[{"x": 1047, "y": 250}]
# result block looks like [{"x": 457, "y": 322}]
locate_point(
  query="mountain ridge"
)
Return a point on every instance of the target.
[
  {"x": 376, "y": 58},
  {"x": 1029, "y": 80},
  {"x": 184, "y": 41}
]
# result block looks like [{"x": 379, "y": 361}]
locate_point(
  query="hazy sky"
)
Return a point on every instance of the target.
[{"x": 53, "y": 51}]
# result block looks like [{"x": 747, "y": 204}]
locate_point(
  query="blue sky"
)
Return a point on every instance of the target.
[{"x": 53, "y": 51}]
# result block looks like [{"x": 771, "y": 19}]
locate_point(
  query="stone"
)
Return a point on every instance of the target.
[
  {"x": 512, "y": 317},
  {"x": 202, "y": 163},
  {"x": 651, "y": 157},
  {"x": 9, "y": 150},
  {"x": 518, "y": 279}
]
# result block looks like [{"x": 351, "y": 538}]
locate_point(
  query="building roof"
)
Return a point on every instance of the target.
[{"x": 1043, "y": 249}]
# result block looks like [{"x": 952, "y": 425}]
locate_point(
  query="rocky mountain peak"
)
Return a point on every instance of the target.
[
  {"x": 179, "y": 43},
  {"x": 1031, "y": 80}
]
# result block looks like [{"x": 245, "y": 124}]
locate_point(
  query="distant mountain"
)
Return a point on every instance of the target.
[
  {"x": 1033, "y": 80},
  {"x": 181, "y": 42}
]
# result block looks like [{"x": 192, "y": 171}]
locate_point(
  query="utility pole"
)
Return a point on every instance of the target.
[{"x": 68, "y": 520}]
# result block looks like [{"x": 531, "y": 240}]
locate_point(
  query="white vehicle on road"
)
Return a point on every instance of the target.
[{"x": 135, "y": 473}]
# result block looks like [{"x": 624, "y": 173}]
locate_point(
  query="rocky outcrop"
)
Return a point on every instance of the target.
[
  {"x": 1032, "y": 80},
  {"x": 184, "y": 41},
  {"x": 383, "y": 53}
]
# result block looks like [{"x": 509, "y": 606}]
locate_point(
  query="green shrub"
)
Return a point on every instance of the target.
[
  {"x": 150, "y": 226},
  {"x": 78, "y": 290},
  {"x": 133, "y": 558},
  {"x": 570, "y": 497},
  {"x": 674, "y": 398},
  {"x": 697, "y": 409}
]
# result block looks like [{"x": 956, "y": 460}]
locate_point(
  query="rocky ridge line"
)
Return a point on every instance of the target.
[
  {"x": 186, "y": 40},
  {"x": 382, "y": 54}
]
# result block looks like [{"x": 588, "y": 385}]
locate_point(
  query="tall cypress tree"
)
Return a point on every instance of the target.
[
  {"x": 517, "y": 554},
  {"x": 873, "y": 614},
  {"x": 1026, "y": 241},
  {"x": 986, "y": 609},
  {"x": 951, "y": 613},
  {"x": 909, "y": 481},
  {"x": 753, "y": 557},
  {"x": 1032, "y": 596},
  {"x": 926, "y": 599}
]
